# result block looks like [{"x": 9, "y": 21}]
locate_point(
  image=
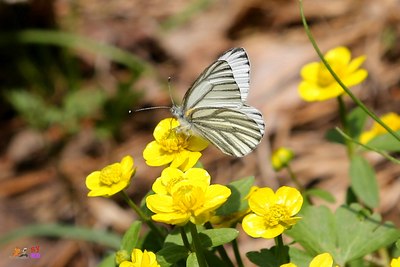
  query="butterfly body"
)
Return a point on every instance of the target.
[{"x": 215, "y": 106}]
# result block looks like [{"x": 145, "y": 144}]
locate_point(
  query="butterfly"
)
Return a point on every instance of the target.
[{"x": 215, "y": 108}]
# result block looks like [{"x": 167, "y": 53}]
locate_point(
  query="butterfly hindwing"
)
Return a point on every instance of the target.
[{"x": 233, "y": 131}]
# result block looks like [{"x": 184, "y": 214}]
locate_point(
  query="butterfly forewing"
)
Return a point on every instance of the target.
[{"x": 215, "y": 106}]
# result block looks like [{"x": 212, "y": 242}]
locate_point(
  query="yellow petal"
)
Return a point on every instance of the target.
[
  {"x": 174, "y": 218},
  {"x": 159, "y": 203},
  {"x": 341, "y": 55},
  {"x": 356, "y": 63},
  {"x": 253, "y": 225},
  {"x": 215, "y": 196},
  {"x": 93, "y": 180},
  {"x": 322, "y": 260},
  {"x": 310, "y": 72},
  {"x": 164, "y": 127},
  {"x": 155, "y": 155},
  {"x": 291, "y": 198},
  {"x": 261, "y": 200},
  {"x": 198, "y": 174},
  {"x": 355, "y": 78},
  {"x": 197, "y": 143}
]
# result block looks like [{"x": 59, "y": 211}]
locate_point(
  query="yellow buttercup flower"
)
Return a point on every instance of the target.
[
  {"x": 171, "y": 176},
  {"x": 173, "y": 146},
  {"x": 318, "y": 84},
  {"x": 281, "y": 158},
  {"x": 190, "y": 199},
  {"x": 272, "y": 213},
  {"x": 321, "y": 260},
  {"x": 395, "y": 262},
  {"x": 111, "y": 179},
  {"x": 141, "y": 259},
  {"x": 391, "y": 119}
]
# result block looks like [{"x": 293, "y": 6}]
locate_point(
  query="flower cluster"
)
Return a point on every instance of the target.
[{"x": 185, "y": 196}]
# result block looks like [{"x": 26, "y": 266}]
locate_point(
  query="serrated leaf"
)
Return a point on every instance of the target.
[
  {"x": 359, "y": 234},
  {"x": 347, "y": 235},
  {"x": 131, "y": 236},
  {"x": 217, "y": 237},
  {"x": 236, "y": 202},
  {"x": 363, "y": 181},
  {"x": 322, "y": 194}
]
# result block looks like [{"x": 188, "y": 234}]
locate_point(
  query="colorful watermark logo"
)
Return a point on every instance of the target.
[{"x": 22, "y": 253}]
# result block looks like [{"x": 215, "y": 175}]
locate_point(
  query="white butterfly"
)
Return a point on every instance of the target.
[{"x": 215, "y": 106}]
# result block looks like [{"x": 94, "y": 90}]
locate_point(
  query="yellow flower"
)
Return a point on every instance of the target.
[
  {"x": 281, "y": 158},
  {"x": 395, "y": 262},
  {"x": 391, "y": 119},
  {"x": 111, "y": 179},
  {"x": 192, "y": 199},
  {"x": 141, "y": 259},
  {"x": 318, "y": 84},
  {"x": 272, "y": 213},
  {"x": 173, "y": 146},
  {"x": 321, "y": 260},
  {"x": 171, "y": 176}
]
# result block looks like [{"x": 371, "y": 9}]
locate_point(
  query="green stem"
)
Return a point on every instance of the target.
[
  {"x": 280, "y": 250},
  {"x": 221, "y": 249},
  {"x": 184, "y": 237},
  {"x": 345, "y": 124},
  {"x": 381, "y": 152},
  {"x": 294, "y": 179},
  {"x": 352, "y": 96},
  {"x": 237, "y": 253},
  {"x": 197, "y": 245},
  {"x": 141, "y": 215}
]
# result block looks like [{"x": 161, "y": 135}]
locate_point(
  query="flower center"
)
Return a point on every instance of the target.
[
  {"x": 188, "y": 198},
  {"x": 111, "y": 174},
  {"x": 174, "y": 141},
  {"x": 325, "y": 78},
  {"x": 276, "y": 214}
]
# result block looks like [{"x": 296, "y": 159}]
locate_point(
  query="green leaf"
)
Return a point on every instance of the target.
[
  {"x": 192, "y": 260},
  {"x": 332, "y": 135},
  {"x": 131, "y": 237},
  {"x": 322, "y": 194},
  {"x": 266, "y": 257},
  {"x": 299, "y": 257},
  {"x": 108, "y": 261},
  {"x": 64, "y": 231},
  {"x": 217, "y": 237},
  {"x": 363, "y": 181},
  {"x": 347, "y": 235},
  {"x": 360, "y": 234},
  {"x": 385, "y": 142},
  {"x": 356, "y": 122},
  {"x": 171, "y": 253},
  {"x": 236, "y": 202}
]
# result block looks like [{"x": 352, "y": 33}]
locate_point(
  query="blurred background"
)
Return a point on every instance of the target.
[{"x": 70, "y": 72}]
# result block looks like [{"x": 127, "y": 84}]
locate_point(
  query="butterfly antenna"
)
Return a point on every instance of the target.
[
  {"x": 149, "y": 108},
  {"x": 170, "y": 91}
]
